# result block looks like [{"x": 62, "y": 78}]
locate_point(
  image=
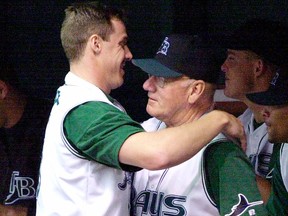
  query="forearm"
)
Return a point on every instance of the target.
[
  {"x": 172, "y": 146},
  {"x": 264, "y": 187}
]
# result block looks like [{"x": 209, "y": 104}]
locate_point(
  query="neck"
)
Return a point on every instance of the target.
[
  {"x": 86, "y": 71},
  {"x": 184, "y": 118},
  {"x": 256, "y": 110}
]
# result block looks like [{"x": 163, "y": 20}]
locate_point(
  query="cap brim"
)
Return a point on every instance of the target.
[
  {"x": 153, "y": 67},
  {"x": 269, "y": 98}
]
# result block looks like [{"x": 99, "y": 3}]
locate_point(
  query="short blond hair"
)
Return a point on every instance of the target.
[{"x": 83, "y": 20}]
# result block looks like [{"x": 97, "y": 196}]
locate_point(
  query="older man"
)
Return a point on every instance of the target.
[{"x": 219, "y": 180}]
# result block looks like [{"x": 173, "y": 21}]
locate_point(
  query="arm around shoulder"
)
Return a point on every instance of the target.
[{"x": 172, "y": 146}]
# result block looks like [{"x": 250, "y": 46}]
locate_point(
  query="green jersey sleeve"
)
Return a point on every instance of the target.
[
  {"x": 278, "y": 200},
  {"x": 230, "y": 180},
  {"x": 97, "y": 130}
]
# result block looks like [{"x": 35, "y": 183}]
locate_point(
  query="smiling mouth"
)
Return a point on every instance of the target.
[{"x": 123, "y": 65}]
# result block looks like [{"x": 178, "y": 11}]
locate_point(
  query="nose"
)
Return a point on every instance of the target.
[
  {"x": 128, "y": 54},
  {"x": 224, "y": 67},
  {"x": 149, "y": 84},
  {"x": 265, "y": 113}
]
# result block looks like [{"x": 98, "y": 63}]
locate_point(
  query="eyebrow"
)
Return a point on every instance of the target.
[{"x": 230, "y": 52}]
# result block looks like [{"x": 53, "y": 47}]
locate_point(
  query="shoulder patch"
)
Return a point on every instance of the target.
[{"x": 241, "y": 207}]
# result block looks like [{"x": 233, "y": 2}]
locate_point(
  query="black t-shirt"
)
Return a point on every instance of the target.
[{"x": 20, "y": 154}]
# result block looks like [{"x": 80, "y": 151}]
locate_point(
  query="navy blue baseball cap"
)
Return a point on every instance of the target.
[
  {"x": 277, "y": 94},
  {"x": 196, "y": 56},
  {"x": 266, "y": 38}
]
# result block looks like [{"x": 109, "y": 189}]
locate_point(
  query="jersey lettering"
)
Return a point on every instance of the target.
[
  {"x": 127, "y": 180},
  {"x": 263, "y": 162},
  {"x": 56, "y": 100},
  {"x": 20, "y": 188},
  {"x": 151, "y": 203}
]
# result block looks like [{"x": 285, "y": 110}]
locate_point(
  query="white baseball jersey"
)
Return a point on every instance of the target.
[
  {"x": 217, "y": 180},
  {"x": 188, "y": 178},
  {"x": 69, "y": 185},
  {"x": 259, "y": 149}
]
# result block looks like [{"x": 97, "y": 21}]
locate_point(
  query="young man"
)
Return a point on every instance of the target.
[
  {"x": 218, "y": 180},
  {"x": 255, "y": 52},
  {"x": 23, "y": 120},
  {"x": 91, "y": 144},
  {"x": 275, "y": 111}
]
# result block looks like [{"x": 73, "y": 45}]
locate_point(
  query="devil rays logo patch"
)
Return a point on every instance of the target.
[{"x": 241, "y": 207}]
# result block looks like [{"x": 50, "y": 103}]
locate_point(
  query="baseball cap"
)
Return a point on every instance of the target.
[
  {"x": 277, "y": 93},
  {"x": 195, "y": 56},
  {"x": 266, "y": 38}
]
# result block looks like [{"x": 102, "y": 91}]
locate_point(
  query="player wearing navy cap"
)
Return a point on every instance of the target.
[
  {"x": 275, "y": 111},
  {"x": 254, "y": 53},
  {"x": 219, "y": 180}
]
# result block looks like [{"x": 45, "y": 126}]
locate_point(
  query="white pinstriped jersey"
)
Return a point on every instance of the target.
[
  {"x": 217, "y": 180},
  {"x": 181, "y": 197},
  {"x": 259, "y": 149},
  {"x": 69, "y": 184}
]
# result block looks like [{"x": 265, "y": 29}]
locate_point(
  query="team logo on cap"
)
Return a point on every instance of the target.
[
  {"x": 274, "y": 80},
  {"x": 164, "y": 47}
]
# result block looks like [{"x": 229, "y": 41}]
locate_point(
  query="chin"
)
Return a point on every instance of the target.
[
  {"x": 118, "y": 84},
  {"x": 150, "y": 110}
]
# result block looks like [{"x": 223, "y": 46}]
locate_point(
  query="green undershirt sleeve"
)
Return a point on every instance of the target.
[
  {"x": 97, "y": 130},
  {"x": 229, "y": 174}
]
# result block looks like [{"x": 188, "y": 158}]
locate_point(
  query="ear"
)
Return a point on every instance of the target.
[
  {"x": 259, "y": 67},
  {"x": 95, "y": 43},
  {"x": 3, "y": 90},
  {"x": 196, "y": 90}
]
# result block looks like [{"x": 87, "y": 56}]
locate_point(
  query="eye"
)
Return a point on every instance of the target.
[
  {"x": 123, "y": 43},
  {"x": 230, "y": 57}
]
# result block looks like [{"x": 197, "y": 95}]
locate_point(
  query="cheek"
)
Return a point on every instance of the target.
[
  {"x": 161, "y": 106},
  {"x": 281, "y": 121},
  {"x": 278, "y": 123}
]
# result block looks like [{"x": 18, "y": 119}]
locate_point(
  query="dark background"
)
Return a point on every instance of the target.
[{"x": 30, "y": 35}]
